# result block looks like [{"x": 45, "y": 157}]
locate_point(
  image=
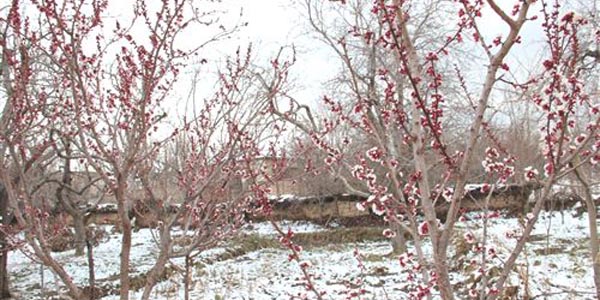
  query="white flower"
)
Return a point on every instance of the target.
[
  {"x": 378, "y": 209},
  {"x": 472, "y": 293},
  {"x": 385, "y": 198},
  {"x": 360, "y": 206},
  {"x": 447, "y": 194},
  {"x": 371, "y": 199},
  {"x": 530, "y": 173}
]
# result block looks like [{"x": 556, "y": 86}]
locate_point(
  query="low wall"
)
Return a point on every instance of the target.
[
  {"x": 511, "y": 198},
  {"x": 342, "y": 207}
]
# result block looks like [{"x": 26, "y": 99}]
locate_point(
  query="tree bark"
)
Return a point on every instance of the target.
[
  {"x": 80, "y": 240},
  {"x": 42, "y": 252},
  {"x": 592, "y": 216},
  {"x": 398, "y": 241},
  {"x": 91, "y": 270},
  {"x": 188, "y": 277},
  {"x": 4, "y": 289},
  {"x": 159, "y": 266},
  {"x": 126, "y": 228},
  {"x": 71, "y": 206}
]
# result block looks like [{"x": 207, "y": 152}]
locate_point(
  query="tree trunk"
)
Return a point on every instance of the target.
[
  {"x": 45, "y": 256},
  {"x": 65, "y": 198},
  {"x": 443, "y": 282},
  {"x": 398, "y": 241},
  {"x": 80, "y": 234},
  {"x": 4, "y": 291},
  {"x": 592, "y": 215},
  {"x": 91, "y": 270},
  {"x": 159, "y": 265},
  {"x": 188, "y": 277},
  {"x": 125, "y": 242}
]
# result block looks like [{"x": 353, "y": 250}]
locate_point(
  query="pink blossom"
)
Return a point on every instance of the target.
[
  {"x": 530, "y": 173},
  {"x": 375, "y": 154},
  {"x": 378, "y": 209},
  {"x": 424, "y": 228},
  {"x": 469, "y": 237},
  {"x": 388, "y": 233}
]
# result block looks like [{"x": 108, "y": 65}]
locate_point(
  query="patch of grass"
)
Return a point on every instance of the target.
[
  {"x": 375, "y": 258},
  {"x": 549, "y": 251},
  {"x": 573, "y": 245},
  {"x": 339, "y": 236},
  {"x": 380, "y": 271},
  {"x": 537, "y": 238},
  {"x": 138, "y": 282},
  {"x": 253, "y": 242},
  {"x": 246, "y": 244}
]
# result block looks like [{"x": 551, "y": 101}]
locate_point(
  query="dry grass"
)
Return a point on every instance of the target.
[
  {"x": 244, "y": 244},
  {"x": 253, "y": 242},
  {"x": 339, "y": 236}
]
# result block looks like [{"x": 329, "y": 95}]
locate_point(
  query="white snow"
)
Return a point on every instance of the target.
[
  {"x": 265, "y": 228},
  {"x": 268, "y": 274}
]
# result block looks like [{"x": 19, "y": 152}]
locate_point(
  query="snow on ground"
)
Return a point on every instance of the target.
[
  {"x": 265, "y": 228},
  {"x": 27, "y": 273},
  {"x": 267, "y": 273},
  {"x": 556, "y": 261}
]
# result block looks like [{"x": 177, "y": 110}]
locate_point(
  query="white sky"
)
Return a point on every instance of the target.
[
  {"x": 275, "y": 23},
  {"x": 271, "y": 24}
]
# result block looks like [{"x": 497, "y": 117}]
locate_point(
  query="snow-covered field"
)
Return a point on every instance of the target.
[{"x": 556, "y": 265}]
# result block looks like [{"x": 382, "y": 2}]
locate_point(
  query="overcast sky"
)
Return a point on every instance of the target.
[{"x": 275, "y": 23}]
